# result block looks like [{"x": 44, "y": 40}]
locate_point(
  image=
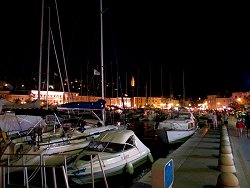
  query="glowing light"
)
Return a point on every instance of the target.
[{"x": 133, "y": 81}]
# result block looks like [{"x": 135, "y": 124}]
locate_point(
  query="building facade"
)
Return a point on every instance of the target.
[{"x": 58, "y": 97}]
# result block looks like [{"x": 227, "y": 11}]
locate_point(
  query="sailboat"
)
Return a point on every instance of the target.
[
  {"x": 111, "y": 153},
  {"x": 18, "y": 119},
  {"x": 64, "y": 139}
]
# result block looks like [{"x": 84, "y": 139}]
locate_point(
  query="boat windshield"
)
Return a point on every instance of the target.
[
  {"x": 184, "y": 116},
  {"x": 105, "y": 147}
]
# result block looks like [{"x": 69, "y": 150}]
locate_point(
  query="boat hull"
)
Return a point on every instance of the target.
[
  {"x": 51, "y": 152},
  {"x": 118, "y": 168},
  {"x": 173, "y": 136},
  {"x": 112, "y": 153}
]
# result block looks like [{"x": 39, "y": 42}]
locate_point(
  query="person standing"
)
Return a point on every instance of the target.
[
  {"x": 209, "y": 119},
  {"x": 225, "y": 119},
  {"x": 240, "y": 125},
  {"x": 247, "y": 123},
  {"x": 215, "y": 122},
  {"x": 219, "y": 116},
  {"x": 1, "y": 141}
]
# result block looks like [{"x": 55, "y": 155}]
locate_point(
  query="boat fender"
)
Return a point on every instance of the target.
[
  {"x": 130, "y": 168},
  {"x": 150, "y": 157}
]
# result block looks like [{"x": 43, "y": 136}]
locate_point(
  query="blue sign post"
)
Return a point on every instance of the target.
[{"x": 168, "y": 174}]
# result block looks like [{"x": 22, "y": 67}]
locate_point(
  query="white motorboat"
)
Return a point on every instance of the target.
[
  {"x": 112, "y": 153},
  {"x": 178, "y": 128}
]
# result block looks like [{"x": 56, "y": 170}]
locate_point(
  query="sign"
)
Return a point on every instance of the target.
[{"x": 168, "y": 174}]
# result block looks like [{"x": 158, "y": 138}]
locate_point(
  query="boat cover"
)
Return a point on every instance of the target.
[{"x": 100, "y": 104}]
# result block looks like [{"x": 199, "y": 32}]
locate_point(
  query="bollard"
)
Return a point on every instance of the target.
[
  {"x": 223, "y": 127},
  {"x": 227, "y": 180},
  {"x": 162, "y": 173},
  {"x": 226, "y": 164},
  {"x": 224, "y": 133},
  {"x": 225, "y": 143},
  {"x": 225, "y": 137},
  {"x": 226, "y": 151}
]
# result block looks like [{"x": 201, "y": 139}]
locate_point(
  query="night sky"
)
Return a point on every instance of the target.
[{"x": 208, "y": 42}]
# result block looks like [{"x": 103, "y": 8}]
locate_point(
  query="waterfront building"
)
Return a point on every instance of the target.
[
  {"x": 4, "y": 94},
  {"x": 58, "y": 97}
]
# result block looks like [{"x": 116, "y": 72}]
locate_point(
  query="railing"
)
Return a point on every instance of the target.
[
  {"x": 8, "y": 166},
  {"x": 19, "y": 165}
]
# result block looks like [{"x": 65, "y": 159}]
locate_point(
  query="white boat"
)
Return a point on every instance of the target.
[
  {"x": 18, "y": 122},
  {"x": 179, "y": 128},
  {"x": 51, "y": 151},
  {"x": 111, "y": 153},
  {"x": 148, "y": 115}
]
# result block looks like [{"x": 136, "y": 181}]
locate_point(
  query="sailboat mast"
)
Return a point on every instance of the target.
[
  {"x": 183, "y": 77},
  {"x": 41, "y": 53},
  {"x": 126, "y": 83},
  {"x": 161, "y": 83},
  {"x": 150, "y": 81},
  {"x": 66, "y": 74},
  {"x": 171, "y": 87},
  {"x": 102, "y": 72},
  {"x": 47, "y": 105}
]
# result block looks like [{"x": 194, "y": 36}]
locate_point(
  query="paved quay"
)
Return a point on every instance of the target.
[{"x": 196, "y": 162}]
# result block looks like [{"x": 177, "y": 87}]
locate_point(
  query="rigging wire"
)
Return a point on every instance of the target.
[
  {"x": 52, "y": 37},
  {"x": 66, "y": 74},
  {"x": 117, "y": 66}
]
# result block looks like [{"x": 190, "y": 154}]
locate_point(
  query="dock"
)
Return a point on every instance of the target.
[{"x": 197, "y": 162}]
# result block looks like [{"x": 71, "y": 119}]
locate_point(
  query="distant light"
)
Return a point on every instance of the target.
[{"x": 133, "y": 81}]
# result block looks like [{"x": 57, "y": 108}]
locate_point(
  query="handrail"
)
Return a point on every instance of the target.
[{"x": 41, "y": 165}]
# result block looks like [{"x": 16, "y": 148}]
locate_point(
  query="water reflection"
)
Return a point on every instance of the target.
[{"x": 146, "y": 133}]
